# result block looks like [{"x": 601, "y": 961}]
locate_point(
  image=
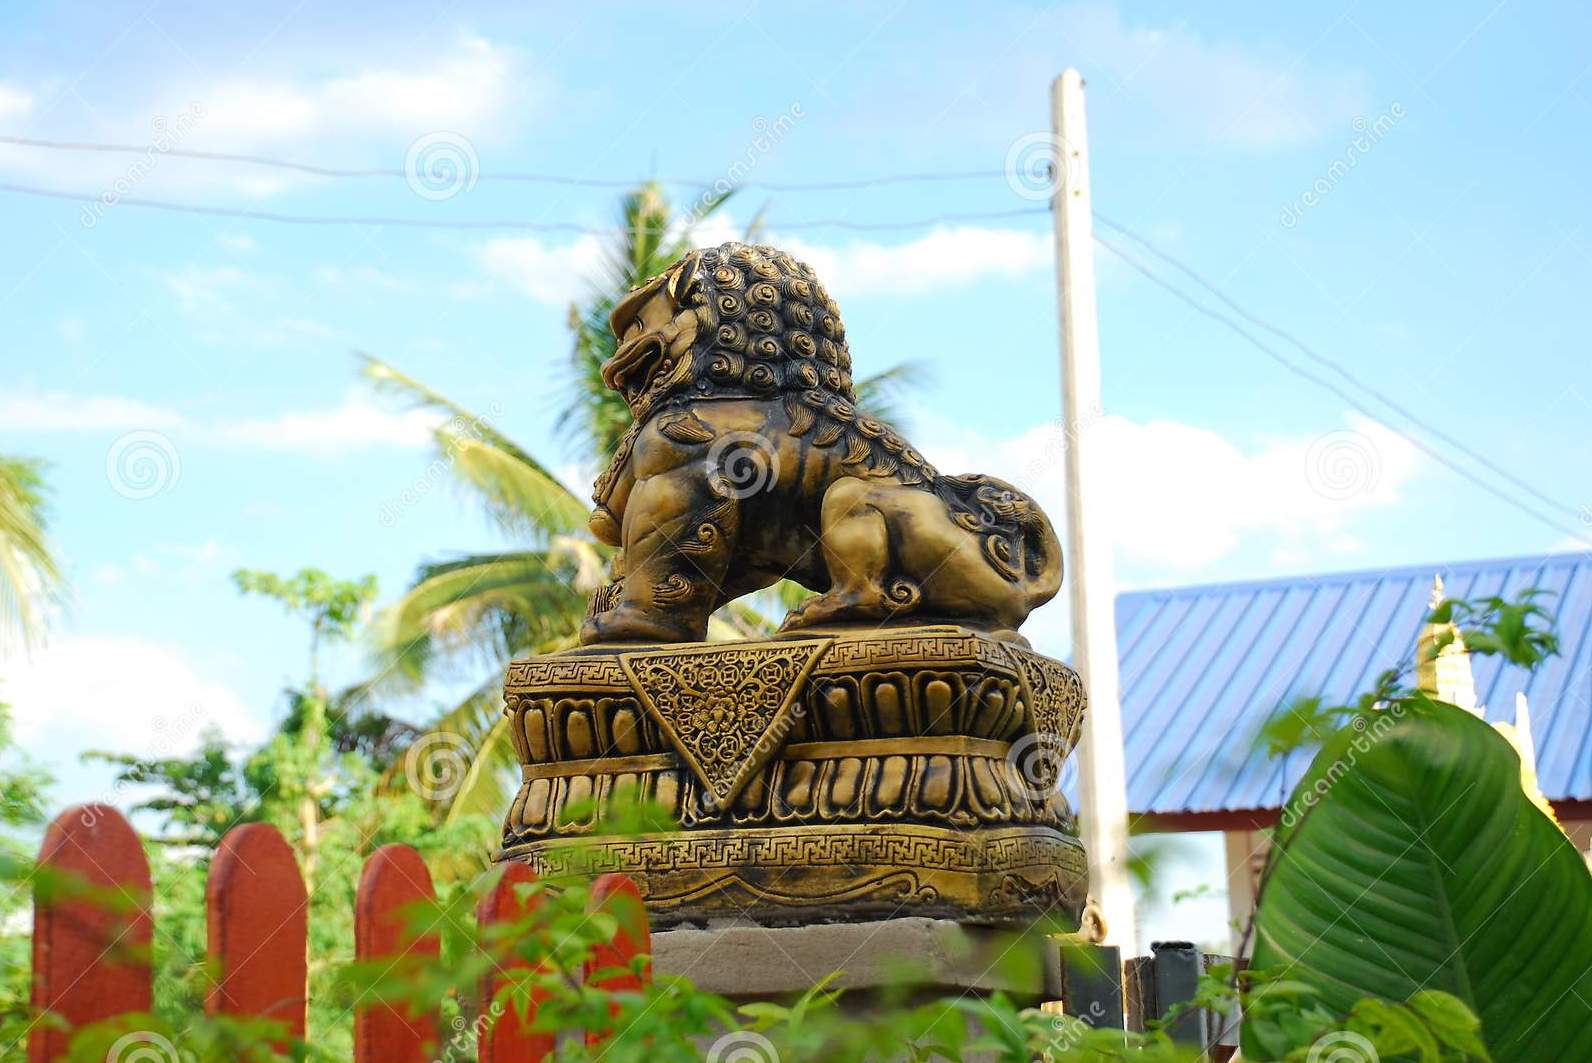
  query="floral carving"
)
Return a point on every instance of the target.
[{"x": 726, "y": 711}]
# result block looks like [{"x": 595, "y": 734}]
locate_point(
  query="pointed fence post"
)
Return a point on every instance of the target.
[
  {"x": 257, "y": 921},
  {"x": 90, "y": 948},
  {"x": 617, "y": 895},
  {"x": 507, "y": 1040},
  {"x": 393, "y": 883}
]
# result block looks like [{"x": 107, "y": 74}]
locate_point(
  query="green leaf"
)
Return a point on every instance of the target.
[
  {"x": 1455, "y": 1025},
  {"x": 1410, "y": 859}
]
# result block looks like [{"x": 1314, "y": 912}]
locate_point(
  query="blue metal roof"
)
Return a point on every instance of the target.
[{"x": 1204, "y": 667}]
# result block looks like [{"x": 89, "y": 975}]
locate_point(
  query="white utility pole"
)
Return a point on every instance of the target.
[{"x": 1103, "y": 799}]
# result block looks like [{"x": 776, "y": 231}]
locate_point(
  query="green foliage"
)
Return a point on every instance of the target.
[
  {"x": 331, "y": 606},
  {"x": 1411, "y": 834},
  {"x": 1287, "y": 1019},
  {"x": 30, "y": 579},
  {"x": 1518, "y": 630},
  {"x": 22, "y": 800},
  {"x": 198, "y": 798}
]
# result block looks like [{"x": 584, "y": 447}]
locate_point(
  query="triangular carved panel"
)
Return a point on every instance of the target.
[{"x": 726, "y": 708}]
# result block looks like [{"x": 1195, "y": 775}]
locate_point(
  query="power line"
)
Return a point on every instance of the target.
[
  {"x": 250, "y": 214},
  {"x": 1350, "y": 398},
  {"x": 522, "y": 176},
  {"x": 1336, "y": 367}
]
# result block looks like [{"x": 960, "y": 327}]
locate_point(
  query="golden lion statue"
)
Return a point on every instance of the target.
[{"x": 748, "y": 461}]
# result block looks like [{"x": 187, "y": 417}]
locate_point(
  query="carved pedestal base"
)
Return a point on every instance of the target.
[{"x": 831, "y": 776}]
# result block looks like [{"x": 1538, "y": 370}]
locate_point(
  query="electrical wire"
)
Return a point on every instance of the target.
[
  {"x": 250, "y": 214},
  {"x": 503, "y": 175},
  {"x": 1336, "y": 367},
  {"x": 1353, "y": 400},
  {"x": 1315, "y": 356}
]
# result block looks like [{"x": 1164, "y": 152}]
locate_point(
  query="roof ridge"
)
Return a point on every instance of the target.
[{"x": 1351, "y": 575}]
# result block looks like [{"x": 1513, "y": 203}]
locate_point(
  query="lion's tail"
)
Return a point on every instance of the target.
[{"x": 1018, "y": 539}]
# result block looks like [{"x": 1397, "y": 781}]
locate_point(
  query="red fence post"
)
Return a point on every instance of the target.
[
  {"x": 91, "y": 953},
  {"x": 393, "y": 883},
  {"x": 617, "y": 895},
  {"x": 257, "y": 921},
  {"x": 507, "y": 1040}
]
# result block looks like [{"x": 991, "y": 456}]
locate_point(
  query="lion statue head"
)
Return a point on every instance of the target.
[{"x": 737, "y": 320}]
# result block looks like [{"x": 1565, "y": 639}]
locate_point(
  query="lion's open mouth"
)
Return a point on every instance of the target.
[{"x": 633, "y": 366}]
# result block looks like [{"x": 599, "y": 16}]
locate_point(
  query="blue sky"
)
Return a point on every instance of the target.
[{"x": 1446, "y": 267}]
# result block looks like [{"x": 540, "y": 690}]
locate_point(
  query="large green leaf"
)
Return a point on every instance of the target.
[{"x": 1409, "y": 858}]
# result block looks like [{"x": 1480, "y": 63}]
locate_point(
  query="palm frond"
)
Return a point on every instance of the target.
[
  {"x": 489, "y": 782},
  {"x": 880, "y": 395},
  {"x": 30, "y": 580},
  {"x": 520, "y": 492},
  {"x": 485, "y": 606},
  {"x": 651, "y": 237}
]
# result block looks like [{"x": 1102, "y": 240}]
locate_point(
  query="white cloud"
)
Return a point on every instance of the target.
[
  {"x": 56, "y": 411},
  {"x": 369, "y": 113},
  {"x": 1239, "y": 95},
  {"x": 206, "y": 289},
  {"x": 946, "y": 257},
  {"x": 1181, "y": 496},
  {"x": 548, "y": 273},
  {"x": 125, "y": 694},
  {"x": 466, "y": 89},
  {"x": 942, "y": 258},
  {"x": 356, "y": 423},
  {"x": 15, "y": 101}
]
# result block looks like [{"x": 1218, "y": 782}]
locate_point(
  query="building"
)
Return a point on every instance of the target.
[{"x": 1203, "y": 668}]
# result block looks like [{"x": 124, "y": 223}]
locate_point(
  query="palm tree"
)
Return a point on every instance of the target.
[
  {"x": 30, "y": 580},
  {"x": 485, "y": 609}
]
